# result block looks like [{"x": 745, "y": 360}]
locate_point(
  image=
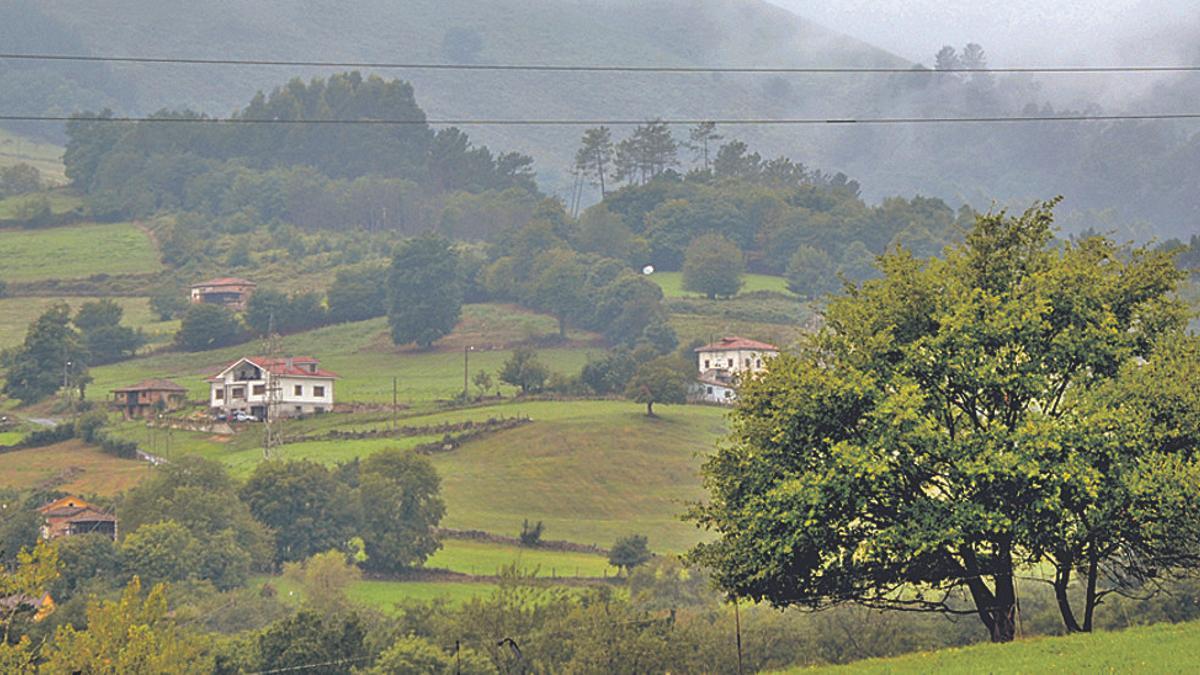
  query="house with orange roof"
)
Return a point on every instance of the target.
[
  {"x": 70, "y": 515},
  {"x": 230, "y": 292},
  {"x": 723, "y": 363},
  {"x": 259, "y": 387}
]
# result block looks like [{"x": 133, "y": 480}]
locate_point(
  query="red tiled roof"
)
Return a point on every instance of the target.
[
  {"x": 289, "y": 366},
  {"x": 735, "y": 342},
  {"x": 151, "y": 385},
  {"x": 225, "y": 281}
]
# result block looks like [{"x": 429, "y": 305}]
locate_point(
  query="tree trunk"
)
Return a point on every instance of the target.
[
  {"x": 997, "y": 609},
  {"x": 649, "y": 408},
  {"x": 1089, "y": 607},
  {"x": 1004, "y": 610},
  {"x": 1062, "y": 580}
]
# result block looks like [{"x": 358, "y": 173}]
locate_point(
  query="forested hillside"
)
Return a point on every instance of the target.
[{"x": 1118, "y": 174}]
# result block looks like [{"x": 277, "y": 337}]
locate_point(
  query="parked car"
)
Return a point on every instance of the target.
[{"x": 242, "y": 416}]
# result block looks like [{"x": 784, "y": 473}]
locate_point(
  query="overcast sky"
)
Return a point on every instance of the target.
[{"x": 1018, "y": 32}]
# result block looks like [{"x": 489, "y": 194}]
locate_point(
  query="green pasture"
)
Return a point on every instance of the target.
[
  {"x": 360, "y": 353},
  {"x": 487, "y": 559},
  {"x": 76, "y": 252},
  {"x": 694, "y": 327},
  {"x": 1161, "y": 648},
  {"x": 60, "y": 200},
  {"x": 386, "y": 595},
  {"x": 671, "y": 284},
  {"x": 46, "y": 157},
  {"x": 17, "y": 313}
]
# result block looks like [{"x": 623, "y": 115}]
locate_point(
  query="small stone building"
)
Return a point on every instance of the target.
[
  {"x": 230, "y": 292},
  {"x": 71, "y": 515},
  {"x": 149, "y": 397}
]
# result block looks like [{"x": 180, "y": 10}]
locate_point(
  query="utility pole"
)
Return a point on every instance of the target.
[
  {"x": 395, "y": 405},
  {"x": 271, "y": 436},
  {"x": 466, "y": 361}
]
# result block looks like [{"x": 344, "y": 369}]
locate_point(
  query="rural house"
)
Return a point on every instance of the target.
[
  {"x": 231, "y": 292},
  {"x": 148, "y": 397},
  {"x": 71, "y": 515},
  {"x": 721, "y": 363},
  {"x": 263, "y": 386}
]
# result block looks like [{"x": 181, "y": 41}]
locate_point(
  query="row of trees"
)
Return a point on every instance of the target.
[{"x": 20, "y": 179}]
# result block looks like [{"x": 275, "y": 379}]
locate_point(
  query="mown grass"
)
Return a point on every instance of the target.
[
  {"x": 45, "y": 157},
  {"x": 76, "y": 252},
  {"x": 593, "y": 471},
  {"x": 486, "y": 559},
  {"x": 1161, "y": 648},
  {"x": 386, "y": 595},
  {"x": 695, "y": 327},
  {"x": 72, "y": 467},
  {"x": 17, "y": 313},
  {"x": 61, "y": 201},
  {"x": 361, "y": 353},
  {"x": 671, "y": 284}
]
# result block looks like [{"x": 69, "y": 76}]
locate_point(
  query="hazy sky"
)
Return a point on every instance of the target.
[{"x": 1018, "y": 32}]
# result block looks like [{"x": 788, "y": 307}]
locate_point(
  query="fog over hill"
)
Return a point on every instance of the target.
[{"x": 1129, "y": 172}]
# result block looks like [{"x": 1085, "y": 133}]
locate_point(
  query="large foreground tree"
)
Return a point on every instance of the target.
[{"x": 1022, "y": 405}]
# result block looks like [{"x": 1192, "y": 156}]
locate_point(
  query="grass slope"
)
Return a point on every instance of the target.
[
  {"x": 17, "y": 313},
  {"x": 362, "y": 354},
  {"x": 71, "y": 467},
  {"x": 45, "y": 157},
  {"x": 593, "y": 471},
  {"x": 76, "y": 252},
  {"x": 484, "y": 558},
  {"x": 61, "y": 200},
  {"x": 672, "y": 284},
  {"x": 1162, "y": 648}
]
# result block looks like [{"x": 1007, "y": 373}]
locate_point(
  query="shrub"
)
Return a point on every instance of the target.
[{"x": 531, "y": 536}]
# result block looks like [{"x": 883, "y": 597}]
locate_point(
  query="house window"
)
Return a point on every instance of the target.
[
  {"x": 758, "y": 363},
  {"x": 318, "y": 410},
  {"x": 219, "y": 395},
  {"x": 730, "y": 363},
  {"x": 710, "y": 391},
  {"x": 747, "y": 363},
  {"x": 298, "y": 390},
  {"x": 728, "y": 393},
  {"x": 706, "y": 366},
  {"x": 259, "y": 389},
  {"x": 299, "y": 409},
  {"x": 319, "y": 392},
  {"x": 238, "y": 392}
]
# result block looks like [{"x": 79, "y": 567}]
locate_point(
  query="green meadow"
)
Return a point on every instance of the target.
[
  {"x": 671, "y": 284},
  {"x": 61, "y": 201},
  {"x": 45, "y": 157},
  {"x": 17, "y": 313},
  {"x": 487, "y": 559},
  {"x": 1161, "y": 648},
  {"x": 76, "y": 252}
]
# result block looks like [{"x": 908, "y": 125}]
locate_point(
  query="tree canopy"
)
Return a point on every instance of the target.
[
  {"x": 959, "y": 420},
  {"x": 424, "y": 294}
]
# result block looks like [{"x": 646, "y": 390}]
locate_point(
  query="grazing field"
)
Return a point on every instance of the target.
[
  {"x": 671, "y": 284},
  {"x": 484, "y": 558},
  {"x": 61, "y": 201},
  {"x": 362, "y": 354},
  {"x": 70, "y": 467},
  {"x": 1161, "y": 648},
  {"x": 593, "y": 471},
  {"x": 76, "y": 252},
  {"x": 17, "y": 313},
  {"x": 45, "y": 157},
  {"x": 385, "y": 595}
]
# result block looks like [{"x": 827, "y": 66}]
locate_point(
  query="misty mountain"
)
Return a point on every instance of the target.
[{"x": 1127, "y": 173}]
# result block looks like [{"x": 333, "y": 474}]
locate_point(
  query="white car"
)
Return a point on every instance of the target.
[{"x": 242, "y": 416}]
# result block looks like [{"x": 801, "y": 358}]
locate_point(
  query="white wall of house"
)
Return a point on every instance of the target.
[
  {"x": 734, "y": 360},
  {"x": 296, "y": 395},
  {"x": 709, "y": 392}
]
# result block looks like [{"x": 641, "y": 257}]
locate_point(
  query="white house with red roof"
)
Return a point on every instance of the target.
[
  {"x": 289, "y": 386},
  {"x": 724, "y": 362}
]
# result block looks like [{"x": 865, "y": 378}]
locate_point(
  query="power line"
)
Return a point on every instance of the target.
[
  {"x": 512, "y": 122},
  {"x": 595, "y": 68}
]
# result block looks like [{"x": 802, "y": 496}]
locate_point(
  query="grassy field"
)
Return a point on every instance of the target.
[
  {"x": 691, "y": 327},
  {"x": 76, "y": 252},
  {"x": 61, "y": 201},
  {"x": 385, "y": 595},
  {"x": 593, "y": 471},
  {"x": 17, "y": 313},
  {"x": 484, "y": 558},
  {"x": 1162, "y": 648},
  {"x": 672, "y": 284},
  {"x": 45, "y": 157},
  {"x": 71, "y": 467},
  {"x": 362, "y": 354}
]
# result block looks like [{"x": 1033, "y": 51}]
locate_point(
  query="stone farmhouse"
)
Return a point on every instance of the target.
[
  {"x": 149, "y": 397},
  {"x": 70, "y": 516},
  {"x": 230, "y": 292},
  {"x": 723, "y": 362},
  {"x": 263, "y": 386}
]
